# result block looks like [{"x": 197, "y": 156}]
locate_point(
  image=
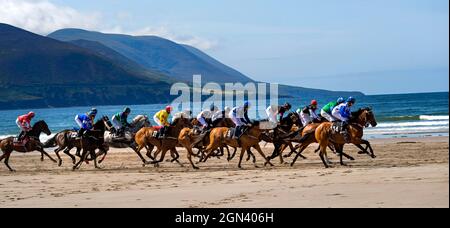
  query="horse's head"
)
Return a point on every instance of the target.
[
  {"x": 41, "y": 126},
  {"x": 182, "y": 122},
  {"x": 368, "y": 117},
  {"x": 295, "y": 118},
  {"x": 102, "y": 123},
  {"x": 141, "y": 121}
]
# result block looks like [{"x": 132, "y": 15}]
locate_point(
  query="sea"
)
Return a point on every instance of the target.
[{"x": 398, "y": 116}]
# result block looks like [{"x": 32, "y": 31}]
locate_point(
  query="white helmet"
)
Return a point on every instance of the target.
[{"x": 227, "y": 109}]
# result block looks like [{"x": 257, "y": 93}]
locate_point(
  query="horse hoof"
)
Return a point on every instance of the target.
[
  {"x": 373, "y": 156},
  {"x": 12, "y": 170},
  {"x": 352, "y": 159},
  {"x": 361, "y": 152},
  {"x": 196, "y": 168}
]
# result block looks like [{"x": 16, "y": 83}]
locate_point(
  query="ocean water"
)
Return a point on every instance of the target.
[{"x": 403, "y": 115}]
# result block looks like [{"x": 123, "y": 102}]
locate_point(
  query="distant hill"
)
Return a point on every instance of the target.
[
  {"x": 37, "y": 71},
  {"x": 90, "y": 68},
  {"x": 155, "y": 53}
]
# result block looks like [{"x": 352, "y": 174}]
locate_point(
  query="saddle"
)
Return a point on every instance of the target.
[
  {"x": 22, "y": 142},
  {"x": 236, "y": 132},
  {"x": 337, "y": 127}
]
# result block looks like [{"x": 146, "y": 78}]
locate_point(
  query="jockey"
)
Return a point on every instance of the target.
[
  {"x": 276, "y": 113},
  {"x": 205, "y": 116},
  {"x": 239, "y": 115},
  {"x": 220, "y": 116},
  {"x": 120, "y": 121},
  {"x": 162, "y": 119},
  {"x": 343, "y": 114},
  {"x": 308, "y": 114},
  {"x": 24, "y": 123},
  {"x": 85, "y": 121},
  {"x": 327, "y": 109}
]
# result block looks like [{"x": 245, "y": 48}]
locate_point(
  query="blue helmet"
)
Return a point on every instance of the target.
[
  {"x": 247, "y": 104},
  {"x": 340, "y": 100},
  {"x": 351, "y": 100},
  {"x": 93, "y": 112}
]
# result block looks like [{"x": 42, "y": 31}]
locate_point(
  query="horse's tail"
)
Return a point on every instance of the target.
[
  {"x": 308, "y": 135},
  {"x": 51, "y": 142}
]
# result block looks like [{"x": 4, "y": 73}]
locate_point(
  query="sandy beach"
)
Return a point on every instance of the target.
[{"x": 409, "y": 172}]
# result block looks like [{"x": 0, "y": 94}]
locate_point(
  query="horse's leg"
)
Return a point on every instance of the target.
[
  {"x": 67, "y": 151},
  {"x": 175, "y": 156},
  {"x": 302, "y": 148},
  {"x": 163, "y": 154},
  {"x": 340, "y": 149},
  {"x": 6, "y": 156},
  {"x": 209, "y": 150},
  {"x": 149, "y": 149},
  {"x": 42, "y": 157},
  {"x": 138, "y": 152},
  {"x": 228, "y": 153},
  {"x": 190, "y": 153},
  {"x": 243, "y": 150},
  {"x": 94, "y": 156},
  {"x": 258, "y": 148},
  {"x": 45, "y": 153},
  {"x": 367, "y": 143},
  {"x": 57, "y": 155},
  {"x": 323, "y": 152},
  {"x": 103, "y": 158},
  {"x": 251, "y": 155},
  {"x": 82, "y": 159},
  {"x": 233, "y": 155}
]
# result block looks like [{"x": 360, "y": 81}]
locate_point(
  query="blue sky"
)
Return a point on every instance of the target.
[{"x": 376, "y": 47}]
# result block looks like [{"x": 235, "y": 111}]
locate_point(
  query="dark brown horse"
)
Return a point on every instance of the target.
[
  {"x": 93, "y": 140},
  {"x": 32, "y": 143},
  {"x": 325, "y": 135}
]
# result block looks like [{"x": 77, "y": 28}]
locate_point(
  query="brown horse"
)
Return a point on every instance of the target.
[
  {"x": 145, "y": 139},
  {"x": 33, "y": 144},
  {"x": 325, "y": 135},
  {"x": 191, "y": 138},
  {"x": 249, "y": 139}
]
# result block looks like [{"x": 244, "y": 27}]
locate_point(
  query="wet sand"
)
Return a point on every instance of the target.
[{"x": 410, "y": 172}]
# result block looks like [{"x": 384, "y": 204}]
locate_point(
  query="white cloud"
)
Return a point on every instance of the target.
[{"x": 43, "y": 17}]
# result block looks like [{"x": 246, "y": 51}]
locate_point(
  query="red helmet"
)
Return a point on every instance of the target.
[
  {"x": 314, "y": 102},
  {"x": 169, "y": 108},
  {"x": 31, "y": 114}
]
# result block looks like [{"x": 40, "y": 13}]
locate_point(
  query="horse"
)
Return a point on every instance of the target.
[
  {"x": 139, "y": 122},
  {"x": 67, "y": 140},
  {"x": 145, "y": 139},
  {"x": 191, "y": 138},
  {"x": 280, "y": 133},
  {"x": 249, "y": 139},
  {"x": 32, "y": 144},
  {"x": 325, "y": 135},
  {"x": 93, "y": 140}
]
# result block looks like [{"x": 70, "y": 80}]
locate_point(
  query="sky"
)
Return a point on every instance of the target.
[{"x": 377, "y": 46}]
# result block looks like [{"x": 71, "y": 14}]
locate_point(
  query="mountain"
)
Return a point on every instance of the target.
[
  {"x": 37, "y": 71},
  {"x": 155, "y": 53}
]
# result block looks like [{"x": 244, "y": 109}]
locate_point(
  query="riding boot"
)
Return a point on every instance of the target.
[
  {"x": 346, "y": 136},
  {"x": 20, "y": 137},
  {"x": 80, "y": 132}
]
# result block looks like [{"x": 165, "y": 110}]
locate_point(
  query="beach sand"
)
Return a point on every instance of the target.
[{"x": 409, "y": 172}]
